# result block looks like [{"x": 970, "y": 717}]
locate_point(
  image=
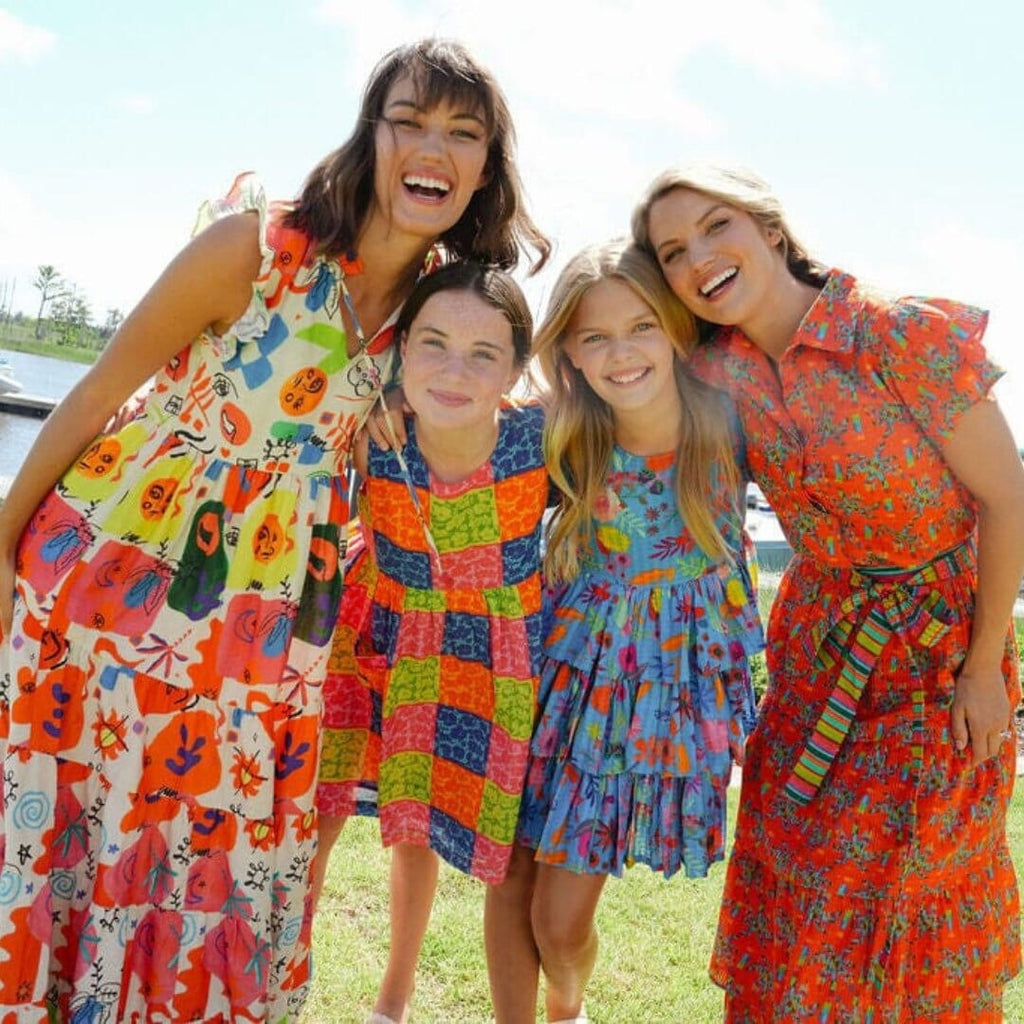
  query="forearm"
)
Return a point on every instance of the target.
[{"x": 1000, "y": 567}]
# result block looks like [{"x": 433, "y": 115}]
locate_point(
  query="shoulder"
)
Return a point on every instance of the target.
[
  {"x": 528, "y": 417},
  {"x": 901, "y": 325}
]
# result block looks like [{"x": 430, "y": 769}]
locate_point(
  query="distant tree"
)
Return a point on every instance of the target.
[
  {"x": 114, "y": 320},
  {"x": 48, "y": 283},
  {"x": 70, "y": 315}
]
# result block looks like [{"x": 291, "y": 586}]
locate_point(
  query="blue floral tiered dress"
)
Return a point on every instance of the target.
[{"x": 645, "y": 692}]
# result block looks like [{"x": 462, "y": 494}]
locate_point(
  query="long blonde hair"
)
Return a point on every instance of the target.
[{"x": 580, "y": 432}]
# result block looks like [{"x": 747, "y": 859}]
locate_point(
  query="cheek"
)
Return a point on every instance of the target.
[{"x": 677, "y": 281}]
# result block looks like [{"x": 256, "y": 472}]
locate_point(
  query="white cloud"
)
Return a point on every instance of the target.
[
  {"x": 22, "y": 41},
  {"x": 587, "y": 52}
]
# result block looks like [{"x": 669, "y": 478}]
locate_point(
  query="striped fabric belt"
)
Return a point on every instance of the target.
[{"x": 883, "y": 603}]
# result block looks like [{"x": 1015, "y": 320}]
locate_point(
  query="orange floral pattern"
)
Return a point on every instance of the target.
[{"x": 890, "y": 896}]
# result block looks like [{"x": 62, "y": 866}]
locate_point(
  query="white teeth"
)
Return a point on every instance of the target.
[
  {"x": 626, "y": 378},
  {"x": 422, "y": 182},
  {"x": 718, "y": 279}
]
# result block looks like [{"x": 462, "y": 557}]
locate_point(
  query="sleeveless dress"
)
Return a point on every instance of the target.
[
  {"x": 870, "y": 881},
  {"x": 645, "y": 692},
  {"x": 176, "y": 596},
  {"x": 456, "y": 638}
]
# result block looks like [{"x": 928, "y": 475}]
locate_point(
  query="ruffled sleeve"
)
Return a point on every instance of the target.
[
  {"x": 246, "y": 194},
  {"x": 932, "y": 356}
]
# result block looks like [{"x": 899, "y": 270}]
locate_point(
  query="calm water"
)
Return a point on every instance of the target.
[{"x": 52, "y": 378}]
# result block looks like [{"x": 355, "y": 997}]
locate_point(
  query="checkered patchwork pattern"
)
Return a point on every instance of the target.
[{"x": 458, "y": 634}]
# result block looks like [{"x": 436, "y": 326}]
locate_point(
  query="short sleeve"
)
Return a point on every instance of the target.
[
  {"x": 246, "y": 194},
  {"x": 738, "y": 439},
  {"x": 933, "y": 357}
]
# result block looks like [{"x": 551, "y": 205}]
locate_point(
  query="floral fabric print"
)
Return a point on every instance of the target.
[
  {"x": 456, "y": 636},
  {"x": 889, "y": 897},
  {"x": 176, "y": 596},
  {"x": 645, "y": 695}
]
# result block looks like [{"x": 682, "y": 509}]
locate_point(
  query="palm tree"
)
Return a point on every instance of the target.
[{"x": 48, "y": 282}]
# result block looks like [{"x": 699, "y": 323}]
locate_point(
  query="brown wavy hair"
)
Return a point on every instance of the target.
[
  {"x": 494, "y": 229},
  {"x": 498, "y": 289}
]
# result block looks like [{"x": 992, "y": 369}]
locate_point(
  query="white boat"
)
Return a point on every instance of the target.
[{"x": 9, "y": 384}]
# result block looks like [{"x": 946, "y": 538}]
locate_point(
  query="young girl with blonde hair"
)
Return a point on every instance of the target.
[{"x": 645, "y": 696}]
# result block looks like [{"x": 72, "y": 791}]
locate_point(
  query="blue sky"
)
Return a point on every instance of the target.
[{"x": 891, "y": 129}]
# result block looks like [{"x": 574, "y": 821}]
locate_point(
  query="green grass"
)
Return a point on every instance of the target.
[
  {"x": 656, "y": 938},
  {"x": 70, "y": 353}
]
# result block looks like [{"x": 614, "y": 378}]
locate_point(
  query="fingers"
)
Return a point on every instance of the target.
[
  {"x": 376, "y": 427},
  {"x": 958, "y": 727},
  {"x": 983, "y": 743}
]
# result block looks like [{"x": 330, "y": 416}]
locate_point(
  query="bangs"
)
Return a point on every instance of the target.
[{"x": 458, "y": 84}]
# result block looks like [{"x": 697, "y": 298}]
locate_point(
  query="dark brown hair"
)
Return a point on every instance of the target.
[
  {"x": 494, "y": 229},
  {"x": 495, "y": 287}
]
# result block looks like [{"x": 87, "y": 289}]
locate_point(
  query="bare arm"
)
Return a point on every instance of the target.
[
  {"x": 208, "y": 284},
  {"x": 984, "y": 457}
]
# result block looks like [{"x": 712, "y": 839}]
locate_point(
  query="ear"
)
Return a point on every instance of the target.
[{"x": 774, "y": 236}]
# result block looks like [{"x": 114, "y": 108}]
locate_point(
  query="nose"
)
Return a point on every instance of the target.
[
  {"x": 455, "y": 364},
  {"x": 620, "y": 347},
  {"x": 699, "y": 253},
  {"x": 432, "y": 142}
]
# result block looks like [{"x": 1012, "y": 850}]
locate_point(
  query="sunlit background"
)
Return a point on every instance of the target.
[{"x": 892, "y": 130}]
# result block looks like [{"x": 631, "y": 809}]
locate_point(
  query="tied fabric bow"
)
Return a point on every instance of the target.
[{"x": 898, "y": 601}]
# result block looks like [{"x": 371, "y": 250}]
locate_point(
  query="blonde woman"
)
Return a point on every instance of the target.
[{"x": 870, "y": 879}]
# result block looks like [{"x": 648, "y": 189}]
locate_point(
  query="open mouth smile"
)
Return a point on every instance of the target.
[
  {"x": 718, "y": 283},
  {"x": 628, "y": 376},
  {"x": 425, "y": 187}
]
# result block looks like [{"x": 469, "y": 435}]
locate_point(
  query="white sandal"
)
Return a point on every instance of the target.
[
  {"x": 380, "y": 1018},
  {"x": 582, "y": 1018}
]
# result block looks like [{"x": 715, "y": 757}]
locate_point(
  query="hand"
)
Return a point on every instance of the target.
[
  {"x": 980, "y": 713},
  {"x": 393, "y": 408}
]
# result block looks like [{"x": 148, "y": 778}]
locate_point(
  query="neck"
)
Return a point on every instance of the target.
[
  {"x": 643, "y": 434},
  {"x": 777, "y": 321},
  {"x": 391, "y": 260},
  {"x": 452, "y": 455}
]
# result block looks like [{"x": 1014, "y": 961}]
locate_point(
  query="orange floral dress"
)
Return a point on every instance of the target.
[
  {"x": 176, "y": 595},
  {"x": 870, "y": 880}
]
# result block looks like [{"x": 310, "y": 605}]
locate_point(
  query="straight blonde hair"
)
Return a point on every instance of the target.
[{"x": 580, "y": 432}]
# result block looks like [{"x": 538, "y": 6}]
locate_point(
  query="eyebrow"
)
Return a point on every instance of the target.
[
  {"x": 414, "y": 106},
  {"x": 700, "y": 220}
]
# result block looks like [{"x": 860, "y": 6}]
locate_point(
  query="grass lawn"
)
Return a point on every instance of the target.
[{"x": 656, "y": 937}]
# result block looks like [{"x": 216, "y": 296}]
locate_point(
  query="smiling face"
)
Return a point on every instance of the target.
[
  {"x": 722, "y": 263},
  {"x": 428, "y": 162},
  {"x": 618, "y": 343},
  {"x": 458, "y": 360}
]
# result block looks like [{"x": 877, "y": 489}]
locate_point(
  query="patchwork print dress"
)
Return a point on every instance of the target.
[
  {"x": 176, "y": 596},
  {"x": 457, "y": 636}
]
